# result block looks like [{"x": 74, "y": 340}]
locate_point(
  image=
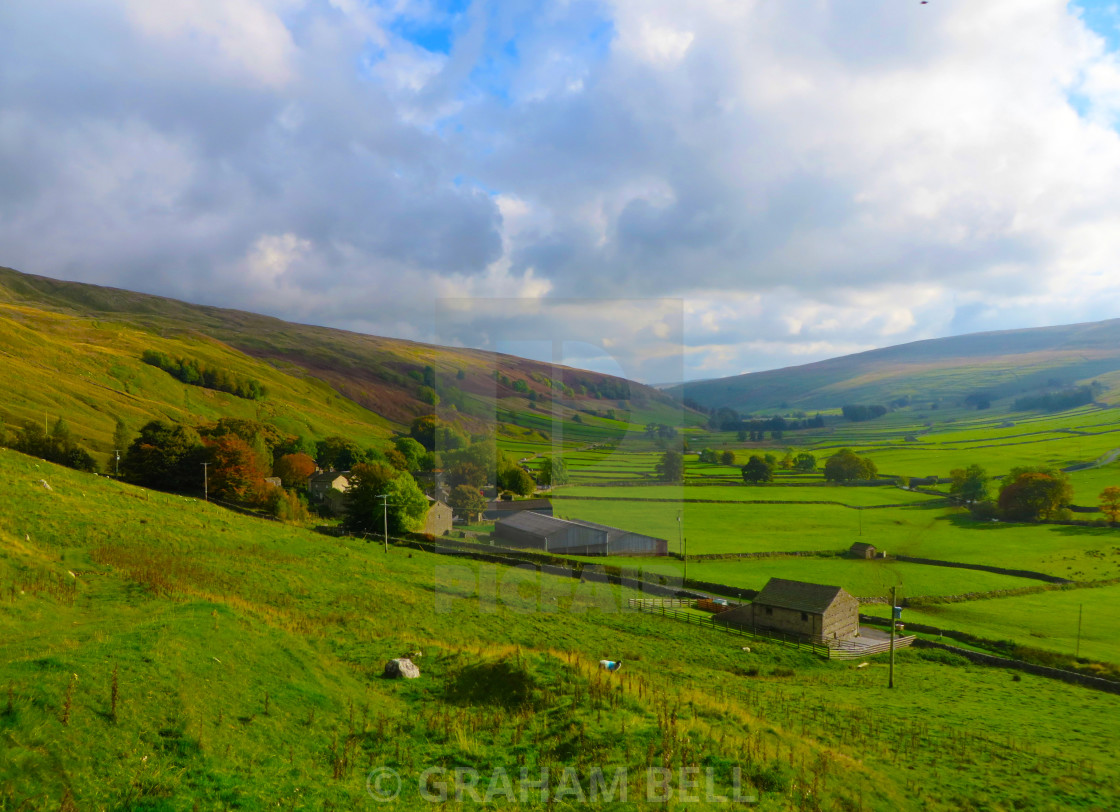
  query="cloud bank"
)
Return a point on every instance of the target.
[{"x": 803, "y": 179}]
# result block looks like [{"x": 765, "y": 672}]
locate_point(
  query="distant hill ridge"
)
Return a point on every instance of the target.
[{"x": 1002, "y": 363}]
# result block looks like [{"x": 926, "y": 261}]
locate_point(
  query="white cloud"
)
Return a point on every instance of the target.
[{"x": 810, "y": 176}]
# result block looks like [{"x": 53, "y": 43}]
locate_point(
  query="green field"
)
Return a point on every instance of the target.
[
  {"x": 1048, "y": 620},
  {"x": 246, "y": 656}
]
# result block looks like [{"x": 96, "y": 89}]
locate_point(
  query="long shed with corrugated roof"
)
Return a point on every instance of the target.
[{"x": 574, "y": 536}]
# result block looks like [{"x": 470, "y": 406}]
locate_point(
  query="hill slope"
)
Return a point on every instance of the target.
[
  {"x": 1003, "y": 363},
  {"x": 76, "y": 349},
  {"x": 161, "y": 653}
]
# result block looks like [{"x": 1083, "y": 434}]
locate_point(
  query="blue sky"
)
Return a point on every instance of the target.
[{"x": 721, "y": 187}]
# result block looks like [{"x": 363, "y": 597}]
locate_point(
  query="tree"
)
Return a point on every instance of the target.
[
  {"x": 670, "y": 468},
  {"x": 1030, "y": 494},
  {"x": 405, "y": 506},
  {"x": 846, "y": 466},
  {"x": 338, "y": 454},
  {"x": 708, "y": 455},
  {"x": 805, "y": 462},
  {"x": 554, "y": 471},
  {"x": 436, "y": 435},
  {"x": 970, "y": 484},
  {"x": 165, "y": 456},
  {"x": 757, "y": 470},
  {"x": 727, "y": 458},
  {"x": 466, "y": 473},
  {"x": 786, "y": 462},
  {"x": 121, "y": 436},
  {"x": 235, "y": 471},
  {"x": 520, "y": 482},
  {"x": 294, "y": 470},
  {"x": 467, "y": 502},
  {"x": 1110, "y": 503},
  {"x": 412, "y": 450}
]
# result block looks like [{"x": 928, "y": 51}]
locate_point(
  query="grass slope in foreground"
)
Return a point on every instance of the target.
[{"x": 246, "y": 657}]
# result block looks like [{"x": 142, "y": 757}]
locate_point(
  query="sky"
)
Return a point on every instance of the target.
[{"x": 655, "y": 188}]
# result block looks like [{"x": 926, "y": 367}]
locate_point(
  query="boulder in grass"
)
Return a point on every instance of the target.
[{"x": 401, "y": 667}]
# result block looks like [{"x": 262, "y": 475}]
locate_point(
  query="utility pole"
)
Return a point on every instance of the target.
[
  {"x": 205, "y": 482},
  {"x": 681, "y": 547},
  {"x": 118, "y": 468},
  {"x": 890, "y": 678},
  {"x": 859, "y": 512},
  {"x": 385, "y": 516},
  {"x": 1077, "y": 651}
]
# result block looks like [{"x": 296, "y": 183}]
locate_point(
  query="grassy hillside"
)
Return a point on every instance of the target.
[
  {"x": 160, "y": 653},
  {"x": 83, "y": 342},
  {"x": 1003, "y": 363}
]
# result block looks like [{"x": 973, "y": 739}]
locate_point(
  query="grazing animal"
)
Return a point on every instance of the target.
[
  {"x": 747, "y": 649},
  {"x": 863, "y": 665},
  {"x": 610, "y": 665}
]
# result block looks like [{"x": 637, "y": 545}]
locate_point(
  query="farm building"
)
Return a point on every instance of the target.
[
  {"x": 862, "y": 549},
  {"x": 438, "y": 522},
  {"x": 321, "y": 484},
  {"x": 821, "y": 613},
  {"x": 573, "y": 537},
  {"x": 500, "y": 508}
]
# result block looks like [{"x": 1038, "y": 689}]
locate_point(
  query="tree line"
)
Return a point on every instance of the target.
[{"x": 194, "y": 372}]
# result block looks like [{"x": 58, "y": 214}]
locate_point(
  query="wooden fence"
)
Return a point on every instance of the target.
[{"x": 708, "y": 621}]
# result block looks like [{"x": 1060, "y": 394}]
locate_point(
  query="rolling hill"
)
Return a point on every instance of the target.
[
  {"x": 74, "y": 350},
  {"x": 1002, "y": 364}
]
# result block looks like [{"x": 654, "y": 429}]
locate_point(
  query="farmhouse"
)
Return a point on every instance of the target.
[
  {"x": 862, "y": 549},
  {"x": 321, "y": 484},
  {"x": 818, "y": 612},
  {"x": 500, "y": 508},
  {"x": 438, "y": 521},
  {"x": 574, "y": 537}
]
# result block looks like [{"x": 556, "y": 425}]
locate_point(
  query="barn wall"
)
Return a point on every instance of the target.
[
  {"x": 841, "y": 619},
  {"x": 786, "y": 620},
  {"x": 638, "y": 544}
]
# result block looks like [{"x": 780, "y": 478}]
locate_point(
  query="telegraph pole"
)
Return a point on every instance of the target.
[
  {"x": 890, "y": 678},
  {"x": 385, "y": 516},
  {"x": 205, "y": 483},
  {"x": 1077, "y": 651},
  {"x": 684, "y": 552}
]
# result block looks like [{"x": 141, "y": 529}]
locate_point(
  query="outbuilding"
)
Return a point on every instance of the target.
[
  {"x": 814, "y": 611},
  {"x": 862, "y": 549},
  {"x": 535, "y": 531}
]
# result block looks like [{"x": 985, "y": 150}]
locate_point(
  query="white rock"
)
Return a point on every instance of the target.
[{"x": 401, "y": 667}]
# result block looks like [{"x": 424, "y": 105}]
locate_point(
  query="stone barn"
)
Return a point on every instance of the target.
[
  {"x": 862, "y": 549},
  {"x": 535, "y": 531},
  {"x": 438, "y": 520},
  {"x": 815, "y": 611}
]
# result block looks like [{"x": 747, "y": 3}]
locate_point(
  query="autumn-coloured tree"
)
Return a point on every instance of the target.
[
  {"x": 294, "y": 470},
  {"x": 1027, "y": 495},
  {"x": 1110, "y": 503},
  {"x": 236, "y": 474}
]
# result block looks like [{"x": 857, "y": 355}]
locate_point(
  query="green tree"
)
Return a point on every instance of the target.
[
  {"x": 757, "y": 470},
  {"x": 467, "y": 502},
  {"x": 708, "y": 455},
  {"x": 670, "y": 468},
  {"x": 413, "y": 451},
  {"x": 846, "y": 466},
  {"x": 122, "y": 437},
  {"x": 970, "y": 484},
  {"x": 165, "y": 456},
  {"x": 519, "y": 481},
  {"x": 805, "y": 462},
  {"x": 428, "y": 395},
  {"x": 727, "y": 458},
  {"x": 405, "y": 506},
  {"x": 1030, "y": 494},
  {"x": 554, "y": 471}
]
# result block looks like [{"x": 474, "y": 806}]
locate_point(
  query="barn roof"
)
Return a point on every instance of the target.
[
  {"x": 542, "y": 525},
  {"x": 536, "y": 523},
  {"x": 797, "y": 595},
  {"x": 517, "y": 505}
]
